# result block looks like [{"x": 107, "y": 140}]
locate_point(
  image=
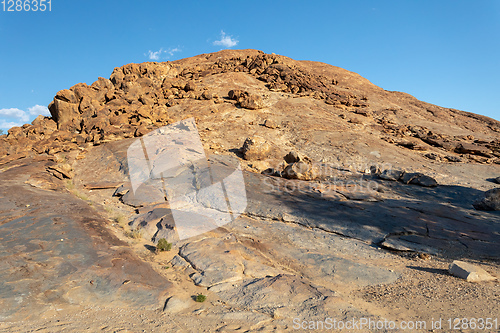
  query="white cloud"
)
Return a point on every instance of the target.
[
  {"x": 16, "y": 117},
  {"x": 15, "y": 113},
  {"x": 39, "y": 110},
  {"x": 154, "y": 55},
  {"x": 5, "y": 125},
  {"x": 172, "y": 51},
  {"x": 157, "y": 55},
  {"x": 226, "y": 41}
]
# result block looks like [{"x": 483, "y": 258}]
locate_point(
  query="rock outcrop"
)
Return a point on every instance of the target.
[{"x": 140, "y": 97}]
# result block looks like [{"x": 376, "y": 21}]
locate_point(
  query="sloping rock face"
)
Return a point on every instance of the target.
[
  {"x": 55, "y": 251},
  {"x": 336, "y": 170}
]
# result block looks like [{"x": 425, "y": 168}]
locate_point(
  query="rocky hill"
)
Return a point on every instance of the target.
[
  {"x": 140, "y": 97},
  {"x": 358, "y": 199}
]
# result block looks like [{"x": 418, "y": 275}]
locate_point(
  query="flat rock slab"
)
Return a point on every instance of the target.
[
  {"x": 443, "y": 217},
  {"x": 269, "y": 293},
  {"x": 256, "y": 249},
  {"x": 222, "y": 260},
  {"x": 286, "y": 296},
  {"x": 469, "y": 272},
  {"x": 144, "y": 195}
]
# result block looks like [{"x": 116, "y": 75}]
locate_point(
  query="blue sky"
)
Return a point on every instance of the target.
[{"x": 442, "y": 52}]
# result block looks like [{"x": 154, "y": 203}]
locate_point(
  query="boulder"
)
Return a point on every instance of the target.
[
  {"x": 141, "y": 130},
  {"x": 190, "y": 86},
  {"x": 119, "y": 120},
  {"x": 423, "y": 180},
  {"x": 275, "y": 86},
  {"x": 252, "y": 102},
  {"x": 96, "y": 123},
  {"x": 145, "y": 82},
  {"x": 88, "y": 106},
  {"x": 81, "y": 90},
  {"x": 102, "y": 84},
  {"x": 300, "y": 170},
  {"x": 179, "y": 262},
  {"x": 147, "y": 99},
  {"x": 236, "y": 94},
  {"x": 255, "y": 148},
  {"x": 145, "y": 111},
  {"x": 270, "y": 124},
  {"x": 66, "y": 95},
  {"x": 16, "y": 132},
  {"x": 271, "y": 172},
  {"x": 454, "y": 159},
  {"x": 433, "y": 156},
  {"x": 469, "y": 272},
  {"x": 491, "y": 200},
  {"x": 391, "y": 174},
  {"x": 246, "y": 100},
  {"x": 207, "y": 95},
  {"x": 66, "y": 114},
  {"x": 132, "y": 90},
  {"x": 176, "y": 304},
  {"x": 44, "y": 125},
  {"x": 418, "y": 179},
  {"x": 292, "y": 157}
]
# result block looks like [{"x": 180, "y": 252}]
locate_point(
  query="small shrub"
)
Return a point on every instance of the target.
[
  {"x": 163, "y": 245},
  {"x": 69, "y": 185},
  {"x": 71, "y": 188},
  {"x": 80, "y": 195},
  {"x": 201, "y": 298},
  {"x": 135, "y": 234},
  {"x": 121, "y": 220}
]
